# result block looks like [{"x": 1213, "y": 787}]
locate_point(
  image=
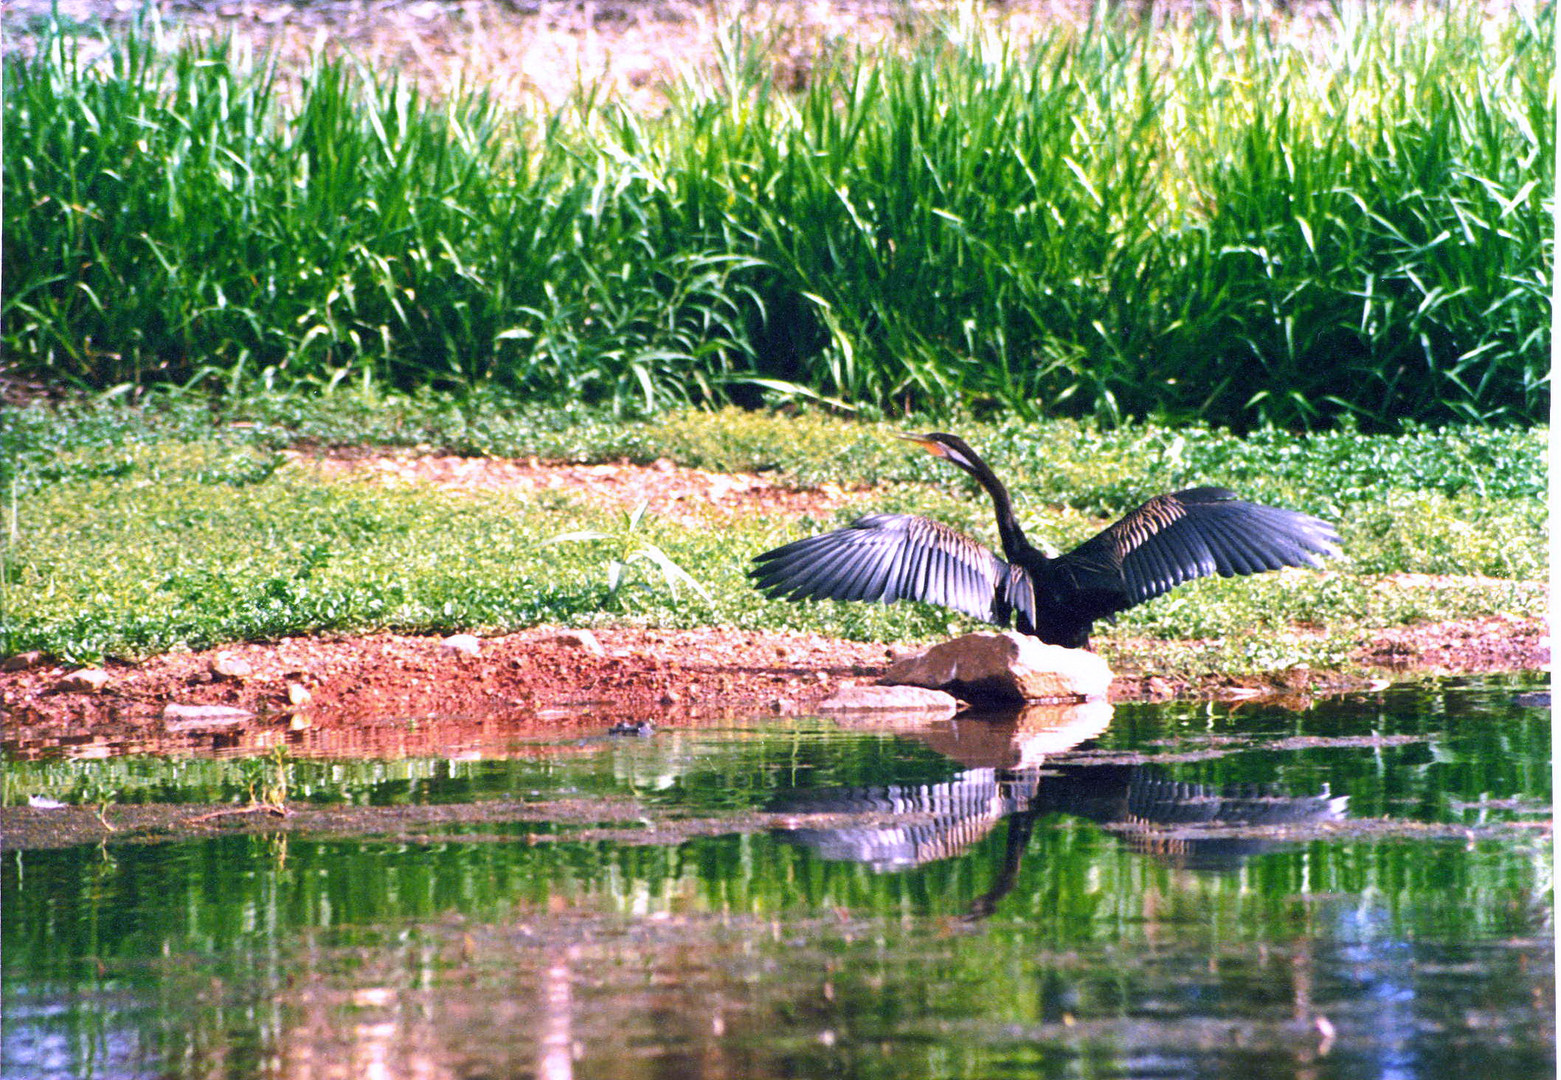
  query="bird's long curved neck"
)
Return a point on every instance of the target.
[{"x": 1014, "y": 542}]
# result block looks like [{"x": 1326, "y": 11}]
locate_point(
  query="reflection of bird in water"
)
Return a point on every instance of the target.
[
  {"x": 1137, "y": 795},
  {"x": 900, "y": 826},
  {"x": 1113, "y": 794},
  {"x": 1168, "y": 540}
]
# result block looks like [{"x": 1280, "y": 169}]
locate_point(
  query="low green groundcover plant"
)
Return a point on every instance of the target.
[{"x": 129, "y": 531}]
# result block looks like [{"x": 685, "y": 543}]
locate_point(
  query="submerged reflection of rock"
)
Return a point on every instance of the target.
[{"x": 898, "y": 826}]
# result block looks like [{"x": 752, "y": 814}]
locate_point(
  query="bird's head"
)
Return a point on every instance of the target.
[{"x": 951, "y": 448}]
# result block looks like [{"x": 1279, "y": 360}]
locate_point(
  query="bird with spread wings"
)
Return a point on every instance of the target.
[{"x": 1169, "y": 540}]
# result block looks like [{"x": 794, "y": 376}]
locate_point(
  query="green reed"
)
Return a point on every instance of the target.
[{"x": 1203, "y": 221}]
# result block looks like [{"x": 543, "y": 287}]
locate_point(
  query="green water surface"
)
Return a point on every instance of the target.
[{"x": 1358, "y": 889}]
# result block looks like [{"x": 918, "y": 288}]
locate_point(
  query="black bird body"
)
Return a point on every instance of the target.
[{"x": 1168, "y": 540}]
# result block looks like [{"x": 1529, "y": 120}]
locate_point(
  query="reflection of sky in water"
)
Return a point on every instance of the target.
[
  {"x": 36, "y": 1049},
  {"x": 1377, "y": 970}
]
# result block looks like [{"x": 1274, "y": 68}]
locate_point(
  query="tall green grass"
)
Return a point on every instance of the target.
[{"x": 1208, "y": 222}]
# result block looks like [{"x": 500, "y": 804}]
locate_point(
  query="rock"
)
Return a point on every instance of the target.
[
  {"x": 580, "y": 639},
  {"x": 24, "y": 660},
  {"x": 467, "y": 644},
  {"x": 85, "y": 681},
  {"x": 179, "y": 717},
  {"x": 227, "y": 666},
  {"x": 298, "y": 694},
  {"x": 854, "y": 698},
  {"x": 990, "y": 667}
]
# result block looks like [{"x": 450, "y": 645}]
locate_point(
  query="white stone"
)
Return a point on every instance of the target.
[
  {"x": 467, "y": 644},
  {"x": 85, "y": 681},
  {"x": 228, "y": 666},
  {"x": 989, "y": 667},
  {"x": 580, "y": 639}
]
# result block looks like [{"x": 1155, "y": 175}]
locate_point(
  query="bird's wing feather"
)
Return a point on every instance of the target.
[
  {"x": 885, "y": 558},
  {"x": 1175, "y": 538},
  {"x": 1019, "y": 593}
]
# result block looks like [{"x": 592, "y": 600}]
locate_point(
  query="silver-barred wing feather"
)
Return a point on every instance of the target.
[
  {"x": 1019, "y": 592},
  {"x": 1196, "y": 533},
  {"x": 885, "y": 558}
]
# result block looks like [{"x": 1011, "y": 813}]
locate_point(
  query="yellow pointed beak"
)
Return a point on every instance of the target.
[{"x": 932, "y": 446}]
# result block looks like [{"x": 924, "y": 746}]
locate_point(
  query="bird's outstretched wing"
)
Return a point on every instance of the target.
[
  {"x": 1196, "y": 533},
  {"x": 885, "y": 558}
]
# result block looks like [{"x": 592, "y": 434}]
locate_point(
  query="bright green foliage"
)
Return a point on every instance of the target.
[
  {"x": 131, "y": 531},
  {"x": 1345, "y": 209},
  {"x": 627, "y": 549},
  {"x": 1193, "y": 224}
]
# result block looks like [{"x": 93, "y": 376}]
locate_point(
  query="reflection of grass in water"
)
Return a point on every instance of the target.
[
  {"x": 692, "y": 774},
  {"x": 918, "y": 996},
  {"x": 270, "y": 780},
  {"x": 1103, "y": 947},
  {"x": 1077, "y": 881},
  {"x": 1096, "y": 919},
  {"x": 903, "y": 996}
]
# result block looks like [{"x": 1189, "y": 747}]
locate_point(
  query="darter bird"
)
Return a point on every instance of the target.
[{"x": 1168, "y": 540}]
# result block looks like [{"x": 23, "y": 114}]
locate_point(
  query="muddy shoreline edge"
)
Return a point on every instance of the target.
[{"x": 537, "y": 677}]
